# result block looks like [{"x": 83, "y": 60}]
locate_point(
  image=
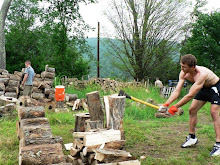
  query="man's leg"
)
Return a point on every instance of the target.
[
  {"x": 191, "y": 140},
  {"x": 216, "y": 119},
  {"x": 193, "y": 110}
]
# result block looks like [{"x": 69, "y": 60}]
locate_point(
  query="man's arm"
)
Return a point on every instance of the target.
[
  {"x": 192, "y": 92},
  {"x": 175, "y": 94},
  {"x": 25, "y": 78}
]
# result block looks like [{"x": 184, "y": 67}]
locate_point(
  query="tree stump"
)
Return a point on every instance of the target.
[
  {"x": 80, "y": 122},
  {"x": 95, "y": 106},
  {"x": 30, "y": 112},
  {"x": 41, "y": 154}
]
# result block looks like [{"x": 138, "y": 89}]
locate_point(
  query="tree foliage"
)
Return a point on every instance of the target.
[
  {"x": 204, "y": 42},
  {"x": 147, "y": 32},
  {"x": 50, "y": 32}
]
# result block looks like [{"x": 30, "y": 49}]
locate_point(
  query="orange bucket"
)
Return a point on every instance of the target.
[{"x": 60, "y": 93}]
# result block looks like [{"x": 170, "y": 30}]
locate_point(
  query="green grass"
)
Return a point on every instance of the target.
[{"x": 158, "y": 139}]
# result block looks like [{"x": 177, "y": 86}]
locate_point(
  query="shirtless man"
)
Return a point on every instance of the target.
[{"x": 206, "y": 87}]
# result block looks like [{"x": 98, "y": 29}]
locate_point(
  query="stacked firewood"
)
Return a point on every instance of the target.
[
  {"x": 10, "y": 84},
  {"x": 37, "y": 144},
  {"x": 97, "y": 142}
]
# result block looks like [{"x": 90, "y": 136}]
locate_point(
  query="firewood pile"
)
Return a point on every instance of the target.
[
  {"x": 37, "y": 145},
  {"x": 106, "y": 83},
  {"x": 98, "y": 137},
  {"x": 10, "y": 84}
]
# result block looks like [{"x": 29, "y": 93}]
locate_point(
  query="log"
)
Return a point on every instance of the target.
[
  {"x": 37, "y": 95},
  {"x": 80, "y": 122},
  {"x": 91, "y": 157},
  {"x": 51, "y": 96},
  {"x": 74, "y": 151},
  {"x": 84, "y": 104},
  {"x": 72, "y": 97},
  {"x": 107, "y": 110},
  {"x": 80, "y": 162},
  {"x": 13, "y": 83},
  {"x": 7, "y": 100},
  {"x": 4, "y": 80},
  {"x": 7, "y": 109},
  {"x": 3, "y": 70},
  {"x": 15, "y": 77},
  {"x": 83, "y": 158},
  {"x": 49, "y": 75},
  {"x": 18, "y": 129},
  {"x": 37, "y": 90},
  {"x": 89, "y": 125},
  {"x": 117, "y": 107},
  {"x": 130, "y": 162},
  {"x": 49, "y": 69},
  {"x": 78, "y": 144},
  {"x": 3, "y": 76},
  {"x": 94, "y": 106},
  {"x": 118, "y": 145},
  {"x": 50, "y": 106},
  {"x": 11, "y": 94},
  {"x": 31, "y": 112},
  {"x": 45, "y": 84},
  {"x": 41, "y": 154},
  {"x": 2, "y": 93},
  {"x": 2, "y": 87},
  {"x": 41, "y": 122},
  {"x": 26, "y": 101},
  {"x": 110, "y": 155},
  {"x": 12, "y": 89},
  {"x": 48, "y": 91},
  {"x": 101, "y": 137},
  {"x": 71, "y": 159},
  {"x": 81, "y": 134},
  {"x": 18, "y": 73}
]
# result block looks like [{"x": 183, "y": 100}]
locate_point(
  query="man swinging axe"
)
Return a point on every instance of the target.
[{"x": 206, "y": 87}]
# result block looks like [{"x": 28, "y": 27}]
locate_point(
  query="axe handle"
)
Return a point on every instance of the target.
[{"x": 143, "y": 102}]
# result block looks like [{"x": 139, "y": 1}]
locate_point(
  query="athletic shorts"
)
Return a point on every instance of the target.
[{"x": 211, "y": 94}]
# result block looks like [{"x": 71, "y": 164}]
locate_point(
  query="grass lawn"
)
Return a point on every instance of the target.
[{"x": 156, "y": 138}]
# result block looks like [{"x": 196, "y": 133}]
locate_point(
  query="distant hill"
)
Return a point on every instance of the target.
[{"x": 106, "y": 68}]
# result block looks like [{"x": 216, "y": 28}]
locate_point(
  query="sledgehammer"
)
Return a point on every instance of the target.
[{"x": 122, "y": 93}]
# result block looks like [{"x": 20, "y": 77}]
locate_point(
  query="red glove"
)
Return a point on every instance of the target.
[{"x": 172, "y": 110}]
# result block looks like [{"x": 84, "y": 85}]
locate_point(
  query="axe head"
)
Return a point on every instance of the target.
[{"x": 122, "y": 93}]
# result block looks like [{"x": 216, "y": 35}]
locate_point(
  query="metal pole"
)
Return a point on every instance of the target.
[{"x": 98, "y": 53}]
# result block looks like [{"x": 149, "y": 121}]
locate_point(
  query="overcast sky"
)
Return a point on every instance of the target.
[{"x": 94, "y": 12}]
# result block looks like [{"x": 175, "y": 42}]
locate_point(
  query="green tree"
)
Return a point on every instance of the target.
[
  {"x": 147, "y": 34},
  {"x": 204, "y": 42}
]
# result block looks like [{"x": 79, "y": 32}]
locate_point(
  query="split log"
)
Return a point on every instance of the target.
[
  {"x": 18, "y": 129},
  {"x": 3, "y": 76},
  {"x": 13, "y": 83},
  {"x": 84, "y": 104},
  {"x": 11, "y": 94},
  {"x": 7, "y": 109},
  {"x": 31, "y": 112},
  {"x": 12, "y": 89},
  {"x": 37, "y": 90},
  {"x": 117, "y": 145},
  {"x": 80, "y": 162},
  {"x": 72, "y": 97},
  {"x": 15, "y": 77},
  {"x": 38, "y": 76},
  {"x": 18, "y": 73},
  {"x": 93, "y": 125},
  {"x": 3, "y": 71},
  {"x": 80, "y": 122},
  {"x": 41, "y": 154},
  {"x": 74, "y": 152},
  {"x": 81, "y": 134},
  {"x": 47, "y": 91},
  {"x": 45, "y": 84},
  {"x": 78, "y": 144},
  {"x": 2, "y": 87},
  {"x": 49, "y": 69},
  {"x": 91, "y": 158},
  {"x": 51, "y": 96},
  {"x": 95, "y": 106},
  {"x": 2, "y": 93},
  {"x": 36, "y": 83},
  {"x": 49, "y": 75},
  {"x": 71, "y": 159},
  {"x": 4, "y": 80},
  {"x": 7, "y": 100},
  {"x": 37, "y": 95},
  {"x": 83, "y": 158},
  {"x": 107, "y": 110},
  {"x": 110, "y": 155},
  {"x": 117, "y": 107},
  {"x": 101, "y": 137},
  {"x": 131, "y": 162}
]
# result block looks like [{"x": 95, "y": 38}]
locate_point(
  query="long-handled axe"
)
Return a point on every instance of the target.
[{"x": 122, "y": 93}]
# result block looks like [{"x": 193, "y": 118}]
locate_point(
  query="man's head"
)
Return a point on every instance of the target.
[
  {"x": 27, "y": 63},
  {"x": 157, "y": 78},
  {"x": 188, "y": 62}
]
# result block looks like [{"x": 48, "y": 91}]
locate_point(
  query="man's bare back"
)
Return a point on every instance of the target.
[{"x": 209, "y": 77}]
